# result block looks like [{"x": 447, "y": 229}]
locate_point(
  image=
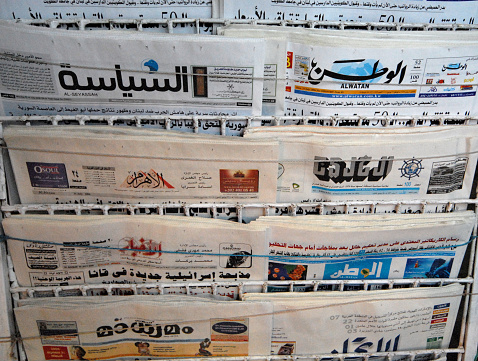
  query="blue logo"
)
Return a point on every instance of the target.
[
  {"x": 150, "y": 65},
  {"x": 358, "y": 269},
  {"x": 360, "y": 68},
  {"x": 411, "y": 168}
]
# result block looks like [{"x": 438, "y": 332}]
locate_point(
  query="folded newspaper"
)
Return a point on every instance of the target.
[
  {"x": 348, "y": 164},
  {"x": 367, "y": 247},
  {"x": 139, "y": 249},
  {"x": 66, "y": 250},
  {"x": 380, "y": 11},
  {"x": 362, "y": 321},
  {"x": 363, "y": 73},
  {"x": 100, "y": 164},
  {"x": 47, "y": 71},
  {"x": 141, "y": 328}
]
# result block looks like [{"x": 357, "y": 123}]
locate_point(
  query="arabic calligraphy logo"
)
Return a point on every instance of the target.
[
  {"x": 359, "y": 70},
  {"x": 145, "y": 248},
  {"x": 150, "y": 65},
  {"x": 454, "y": 66},
  {"x": 141, "y": 180},
  {"x": 411, "y": 168}
]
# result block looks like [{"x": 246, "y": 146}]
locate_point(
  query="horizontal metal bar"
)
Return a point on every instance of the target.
[
  {"x": 181, "y": 207},
  {"x": 55, "y": 290}
]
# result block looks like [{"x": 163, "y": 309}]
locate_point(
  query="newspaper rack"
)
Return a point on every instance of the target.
[{"x": 211, "y": 210}]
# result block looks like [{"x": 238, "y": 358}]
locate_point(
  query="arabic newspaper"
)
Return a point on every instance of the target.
[
  {"x": 85, "y": 249},
  {"x": 399, "y": 11},
  {"x": 101, "y": 164},
  {"x": 336, "y": 164},
  {"x": 110, "y": 9},
  {"x": 362, "y": 321},
  {"x": 58, "y": 72},
  {"x": 325, "y": 80},
  {"x": 138, "y": 328},
  {"x": 367, "y": 247}
]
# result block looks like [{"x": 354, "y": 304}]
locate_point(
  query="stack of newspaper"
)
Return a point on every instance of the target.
[
  {"x": 284, "y": 324},
  {"x": 72, "y": 250},
  {"x": 333, "y": 72},
  {"x": 100, "y": 164},
  {"x": 367, "y": 247},
  {"x": 353, "y": 164},
  {"x": 142, "y": 327},
  {"x": 139, "y": 249},
  {"x": 362, "y": 321}
]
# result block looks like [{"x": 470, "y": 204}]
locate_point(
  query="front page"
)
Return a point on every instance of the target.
[
  {"x": 337, "y": 164},
  {"x": 367, "y": 247},
  {"x": 58, "y": 72},
  {"x": 125, "y": 249},
  {"x": 141, "y": 328},
  {"x": 363, "y": 321},
  {"x": 101, "y": 165}
]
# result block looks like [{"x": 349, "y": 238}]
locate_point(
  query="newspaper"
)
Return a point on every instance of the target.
[
  {"x": 111, "y": 9},
  {"x": 336, "y": 164},
  {"x": 388, "y": 75},
  {"x": 58, "y": 72},
  {"x": 362, "y": 321},
  {"x": 70, "y": 250},
  {"x": 398, "y": 11},
  {"x": 141, "y": 328},
  {"x": 126, "y": 249},
  {"x": 367, "y": 247},
  {"x": 101, "y": 165}
]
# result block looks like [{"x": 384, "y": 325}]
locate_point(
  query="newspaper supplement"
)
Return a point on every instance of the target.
[
  {"x": 47, "y": 71},
  {"x": 400, "y": 11},
  {"x": 367, "y": 247},
  {"x": 100, "y": 164},
  {"x": 141, "y": 328},
  {"x": 126, "y": 249},
  {"x": 337, "y": 164},
  {"x": 362, "y": 321}
]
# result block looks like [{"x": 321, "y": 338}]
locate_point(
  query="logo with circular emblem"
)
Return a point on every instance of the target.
[{"x": 411, "y": 168}]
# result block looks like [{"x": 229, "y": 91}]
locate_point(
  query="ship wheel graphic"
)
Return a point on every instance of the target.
[{"x": 411, "y": 168}]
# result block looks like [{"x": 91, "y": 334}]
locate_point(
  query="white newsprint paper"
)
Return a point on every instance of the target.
[
  {"x": 126, "y": 249},
  {"x": 334, "y": 72},
  {"x": 47, "y": 71},
  {"x": 142, "y": 328},
  {"x": 336, "y": 164},
  {"x": 362, "y": 321},
  {"x": 99, "y": 164},
  {"x": 400, "y": 11},
  {"x": 367, "y": 247},
  {"x": 105, "y": 9}
]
